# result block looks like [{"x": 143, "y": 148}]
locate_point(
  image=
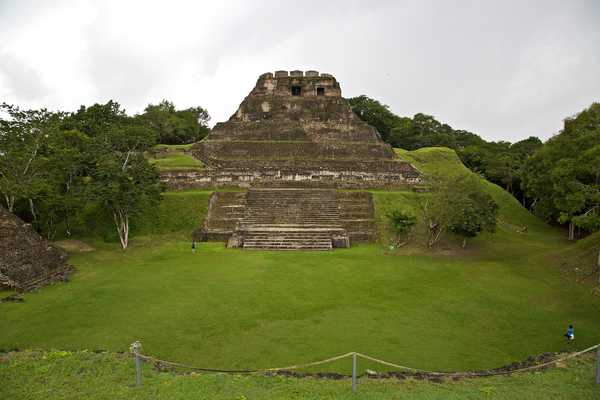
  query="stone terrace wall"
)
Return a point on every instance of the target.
[
  {"x": 177, "y": 180},
  {"x": 218, "y": 152}
]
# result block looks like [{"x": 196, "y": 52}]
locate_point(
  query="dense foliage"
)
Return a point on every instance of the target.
[
  {"x": 402, "y": 223},
  {"x": 173, "y": 126},
  {"x": 457, "y": 204},
  {"x": 499, "y": 162},
  {"x": 558, "y": 180},
  {"x": 563, "y": 177},
  {"x": 56, "y": 167}
]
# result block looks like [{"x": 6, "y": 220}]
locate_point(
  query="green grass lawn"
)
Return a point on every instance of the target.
[
  {"x": 174, "y": 157},
  {"x": 498, "y": 301},
  {"x": 238, "y": 309},
  {"x": 62, "y": 375}
]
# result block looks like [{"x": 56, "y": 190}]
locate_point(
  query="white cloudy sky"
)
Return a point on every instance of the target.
[{"x": 503, "y": 69}]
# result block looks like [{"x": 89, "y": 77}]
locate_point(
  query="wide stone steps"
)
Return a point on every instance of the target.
[
  {"x": 290, "y": 219},
  {"x": 287, "y": 242}
]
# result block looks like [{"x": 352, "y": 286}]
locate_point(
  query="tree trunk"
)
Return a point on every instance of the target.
[
  {"x": 122, "y": 224},
  {"x": 10, "y": 202},
  {"x": 571, "y": 230},
  {"x": 598, "y": 265},
  {"x": 33, "y": 214}
]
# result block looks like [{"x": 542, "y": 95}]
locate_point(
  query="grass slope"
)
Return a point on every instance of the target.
[
  {"x": 495, "y": 303},
  {"x": 174, "y": 157},
  {"x": 63, "y": 375}
]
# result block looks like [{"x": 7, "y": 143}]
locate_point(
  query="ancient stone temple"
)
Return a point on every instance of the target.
[{"x": 294, "y": 142}]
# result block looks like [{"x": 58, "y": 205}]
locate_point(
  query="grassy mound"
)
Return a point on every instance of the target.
[
  {"x": 86, "y": 375},
  {"x": 441, "y": 161},
  {"x": 174, "y": 157}
]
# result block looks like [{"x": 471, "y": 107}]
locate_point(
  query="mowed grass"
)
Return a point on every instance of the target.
[
  {"x": 85, "y": 375},
  {"x": 500, "y": 300},
  {"x": 233, "y": 309},
  {"x": 174, "y": 157}
]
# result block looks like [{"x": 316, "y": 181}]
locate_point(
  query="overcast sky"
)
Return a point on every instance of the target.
[{"x": 503, "y": 69}]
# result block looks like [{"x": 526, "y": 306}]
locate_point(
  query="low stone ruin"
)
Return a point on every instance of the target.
[{"x": 27, "y": 261}]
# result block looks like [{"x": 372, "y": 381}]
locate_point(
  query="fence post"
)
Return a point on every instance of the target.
[
  {"x": 354, "y": 361},
  {"x": 135, "y": 348},
  {"x": 598, "y": 366}
]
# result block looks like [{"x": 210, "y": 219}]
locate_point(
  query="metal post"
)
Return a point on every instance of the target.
[
  {"x": 598, "y": 366},
  {"x": 354, "y": 372},
  {"x": 135, "y": 348}
]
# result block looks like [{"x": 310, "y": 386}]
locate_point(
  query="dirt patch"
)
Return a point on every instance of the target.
[{"x": 73, "y": 246}]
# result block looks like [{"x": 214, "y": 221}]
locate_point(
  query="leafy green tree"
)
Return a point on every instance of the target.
[
  {"x": 124, "y": 182},
  {"x": 24, "y": 137},
  {"x": 402, "y": 223},
  {"x": 67, "y": 188},
  {"x": 172, "y": 126},
  {"x": 457, "y": 204},
  {"x": 375, "y": 114},
  {"x": 127, "y": 186},
  {"x": 563, "y": 176},
  {"x": 97, "y": 119},
  {"x": 476, "y": 213}
]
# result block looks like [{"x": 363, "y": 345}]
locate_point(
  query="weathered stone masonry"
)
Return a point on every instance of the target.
[
  {"x": 291, "y": 143},
  {"x": 294, "y": 128}
]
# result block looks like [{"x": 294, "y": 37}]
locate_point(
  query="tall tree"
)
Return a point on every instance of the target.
[
  {"x": 172, "y": 126},
  {"x": 563, "y": 176},
  {"x": 457, "y": 204},
  {"x": 124, "y": 182},
  {"x": 24, "y": 136}
]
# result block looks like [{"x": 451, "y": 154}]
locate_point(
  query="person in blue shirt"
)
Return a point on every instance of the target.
[{"x": 570, "y": 335}]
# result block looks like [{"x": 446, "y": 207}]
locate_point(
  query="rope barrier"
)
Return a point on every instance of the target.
[
  {"x": 376, "y": 360},
  {"x": 475, "y": 373},
  {"x": 246, "y": 371}
]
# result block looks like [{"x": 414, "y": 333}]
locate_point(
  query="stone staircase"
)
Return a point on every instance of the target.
[
  {"x": 292, "y": 219},
  {"x": 289, "y": 219},
  {"x": 357, "y": 215},
  {"x": 225, "y": 211}
]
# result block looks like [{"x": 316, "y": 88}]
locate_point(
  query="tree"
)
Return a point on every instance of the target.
[
  {"x": 477, "y": 213},
  {"x": 457, "y": 204},
  {"x": 402, "y": 223},
  {"x": 375, "y": 114},
  {"x": 563, "y": 176},
  {"x": 24, "y": 136},
  {"x": 67, "y": 188},
  {"x": 123, "y": 180},
  {"x": 172, "y": 126},
  {"x": 127, "y": 186}
]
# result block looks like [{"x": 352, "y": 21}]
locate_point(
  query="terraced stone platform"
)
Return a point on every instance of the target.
[
  {"x": 296, "y": 144},
  {"x": 295, "y": 128},
  {"x": 289, "y": 219}
]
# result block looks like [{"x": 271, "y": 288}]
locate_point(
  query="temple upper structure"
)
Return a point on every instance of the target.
[{"x": 295, "y": 128}]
